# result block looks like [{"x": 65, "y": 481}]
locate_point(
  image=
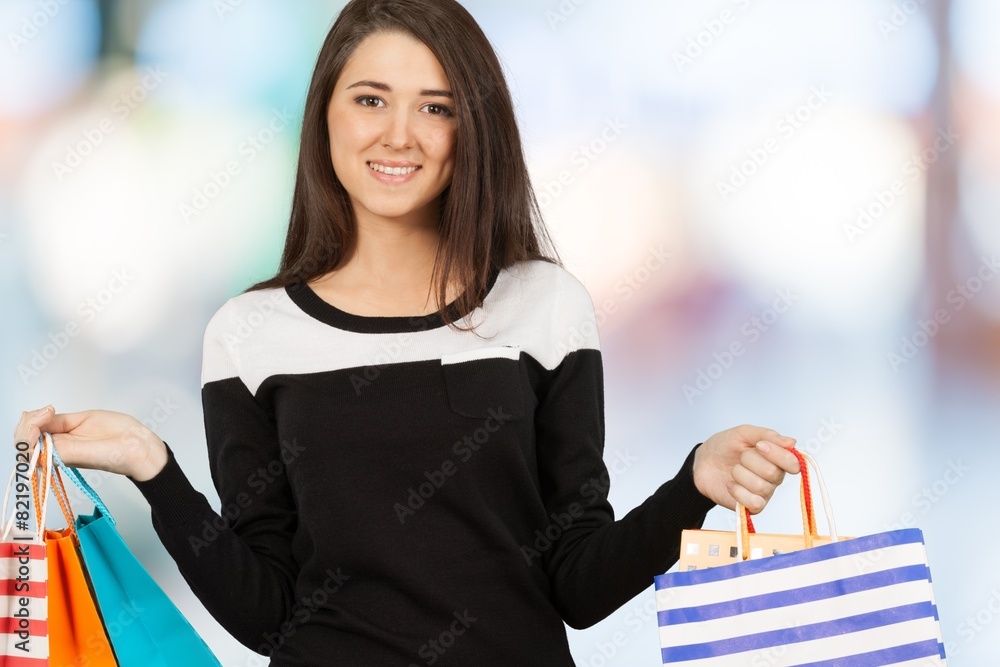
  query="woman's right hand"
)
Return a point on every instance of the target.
[{"x": 97, "y": 440}]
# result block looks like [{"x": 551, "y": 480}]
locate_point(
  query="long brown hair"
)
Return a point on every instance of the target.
[{"x": 489, "y": 216}]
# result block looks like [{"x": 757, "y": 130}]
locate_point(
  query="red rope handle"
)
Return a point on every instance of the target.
[
  {"x": 810, "y": 515},
  {"x": 806, "y": 489}
]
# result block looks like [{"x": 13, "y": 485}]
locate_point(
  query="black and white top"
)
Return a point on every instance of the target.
[{"x": 395, "y": 492}]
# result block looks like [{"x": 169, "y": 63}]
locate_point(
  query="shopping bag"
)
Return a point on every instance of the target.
[
  {"x": 858, "y": 601},
  {"x": 145, "y": 627},
  {"x": 77, "y": 637},
  {"x": 24, "y": 569}
]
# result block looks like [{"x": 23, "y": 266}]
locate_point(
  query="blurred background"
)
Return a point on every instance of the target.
[{"x": 786, "y": 214}]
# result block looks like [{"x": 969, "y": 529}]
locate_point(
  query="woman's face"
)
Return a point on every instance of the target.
[{"x": 392, "y": 127}]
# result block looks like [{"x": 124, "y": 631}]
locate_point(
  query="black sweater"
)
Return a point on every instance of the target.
[{"x": 398, "y": 493}]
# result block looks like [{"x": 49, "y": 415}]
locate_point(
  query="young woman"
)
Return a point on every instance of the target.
[{"x": 402, "y": 482}]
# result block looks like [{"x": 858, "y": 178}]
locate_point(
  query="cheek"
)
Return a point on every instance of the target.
[
  {"x": 347, "y": 139},
  {"x": 441, "y": 145}
]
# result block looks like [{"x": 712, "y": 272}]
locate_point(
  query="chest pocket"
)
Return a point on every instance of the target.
[{"x": 484, "y": 382}]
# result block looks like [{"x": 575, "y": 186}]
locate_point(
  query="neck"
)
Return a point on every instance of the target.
[{"x": 394, "y": 255}]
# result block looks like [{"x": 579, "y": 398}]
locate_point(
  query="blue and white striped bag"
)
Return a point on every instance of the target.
[{"x": 850, "y": 603}]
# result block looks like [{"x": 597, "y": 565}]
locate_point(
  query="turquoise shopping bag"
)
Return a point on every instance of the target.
[{"x": 145, "y": 628}]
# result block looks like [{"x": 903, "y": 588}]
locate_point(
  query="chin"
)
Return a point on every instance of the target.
[{"x": 400, "y": 209}]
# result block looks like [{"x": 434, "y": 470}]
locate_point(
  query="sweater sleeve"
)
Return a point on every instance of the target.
[
  {"x": 597, "y": 564},
  {"x": 238, "y": 561}
]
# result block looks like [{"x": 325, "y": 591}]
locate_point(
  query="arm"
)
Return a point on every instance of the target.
[
  {"x": 598, "y": 564},
  {"x": 238, "y": 563}
]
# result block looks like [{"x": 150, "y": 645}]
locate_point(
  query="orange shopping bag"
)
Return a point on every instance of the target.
[{"x": 77, "y": 637}]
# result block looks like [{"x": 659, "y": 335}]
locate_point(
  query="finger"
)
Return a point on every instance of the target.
[
  {"x": 752, "y": 482},
  {"x": 754, "y": 434},
  {"x": 29, "y": 426},
  {"x": 66, "y": 422},
  {"x": 779, "y": 456},
  {"x": 745, "y": 497},
  {"x": 754, "y": 461},
  {"x": 60, "y": 426}
]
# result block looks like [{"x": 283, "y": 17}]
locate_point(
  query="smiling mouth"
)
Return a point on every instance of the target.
[{"x": 392, "y": 171}]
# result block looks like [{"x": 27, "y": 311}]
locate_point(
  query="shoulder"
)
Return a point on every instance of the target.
[
  {"x": 559, "y": 308},
  {"x": 543, "y": 281},
  {"x": 231, "y": 325},
  {"x": 245, "y": 311}
]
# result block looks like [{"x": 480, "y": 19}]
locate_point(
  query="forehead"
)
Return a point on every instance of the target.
[{"x": 395, "y": 58}]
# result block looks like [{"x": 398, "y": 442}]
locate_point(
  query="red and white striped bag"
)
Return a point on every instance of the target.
[{"x": 24, "y": 635}]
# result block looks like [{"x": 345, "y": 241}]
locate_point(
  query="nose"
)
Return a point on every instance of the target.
[{"x": 398, "y": 133}]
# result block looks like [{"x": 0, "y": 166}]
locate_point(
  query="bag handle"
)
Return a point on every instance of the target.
[
  {"x": 805, "y": 499},
  {"x": 56, "y": 484},
  {"x": 78, "y": 479},
  {"x": 40, "y": 510},
  {"x": 745, "y": 526}
]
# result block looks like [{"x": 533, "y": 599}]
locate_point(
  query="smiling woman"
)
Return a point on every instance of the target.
[
  {"x": 392, "y": 145},
  {"x": 403, "y": 86},
  {"x": 447, "y": 501}
]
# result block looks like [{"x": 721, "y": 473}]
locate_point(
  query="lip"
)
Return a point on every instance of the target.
[
  {"x": 393, "y": 163},
  {"x": 388, "y": 179}
]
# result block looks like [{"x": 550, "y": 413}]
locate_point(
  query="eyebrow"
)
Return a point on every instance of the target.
[{"x": 378, "y": 85}]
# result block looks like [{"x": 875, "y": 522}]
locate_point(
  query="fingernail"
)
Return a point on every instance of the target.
[
  {"x": 763, "y": 446},
  {"x": 47, "y": 408}
]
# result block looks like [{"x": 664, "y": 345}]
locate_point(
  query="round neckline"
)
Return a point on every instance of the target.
[{"x": 306, "y": 298}]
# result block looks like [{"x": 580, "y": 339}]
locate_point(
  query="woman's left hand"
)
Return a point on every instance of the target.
[{"x": 745, "y": 464}]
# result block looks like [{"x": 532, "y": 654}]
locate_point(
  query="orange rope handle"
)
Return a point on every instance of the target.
[
  {"x": 38, "y": 479},
  {"x": 58, "y": 489}
]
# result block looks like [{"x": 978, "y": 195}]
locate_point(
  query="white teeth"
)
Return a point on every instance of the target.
[{"x": 392, "y": 171}]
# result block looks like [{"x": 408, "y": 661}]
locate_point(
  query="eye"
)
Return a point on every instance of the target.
[
  {"x": 369, "y": 101},
  {"x": 439, "y": 110}
]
